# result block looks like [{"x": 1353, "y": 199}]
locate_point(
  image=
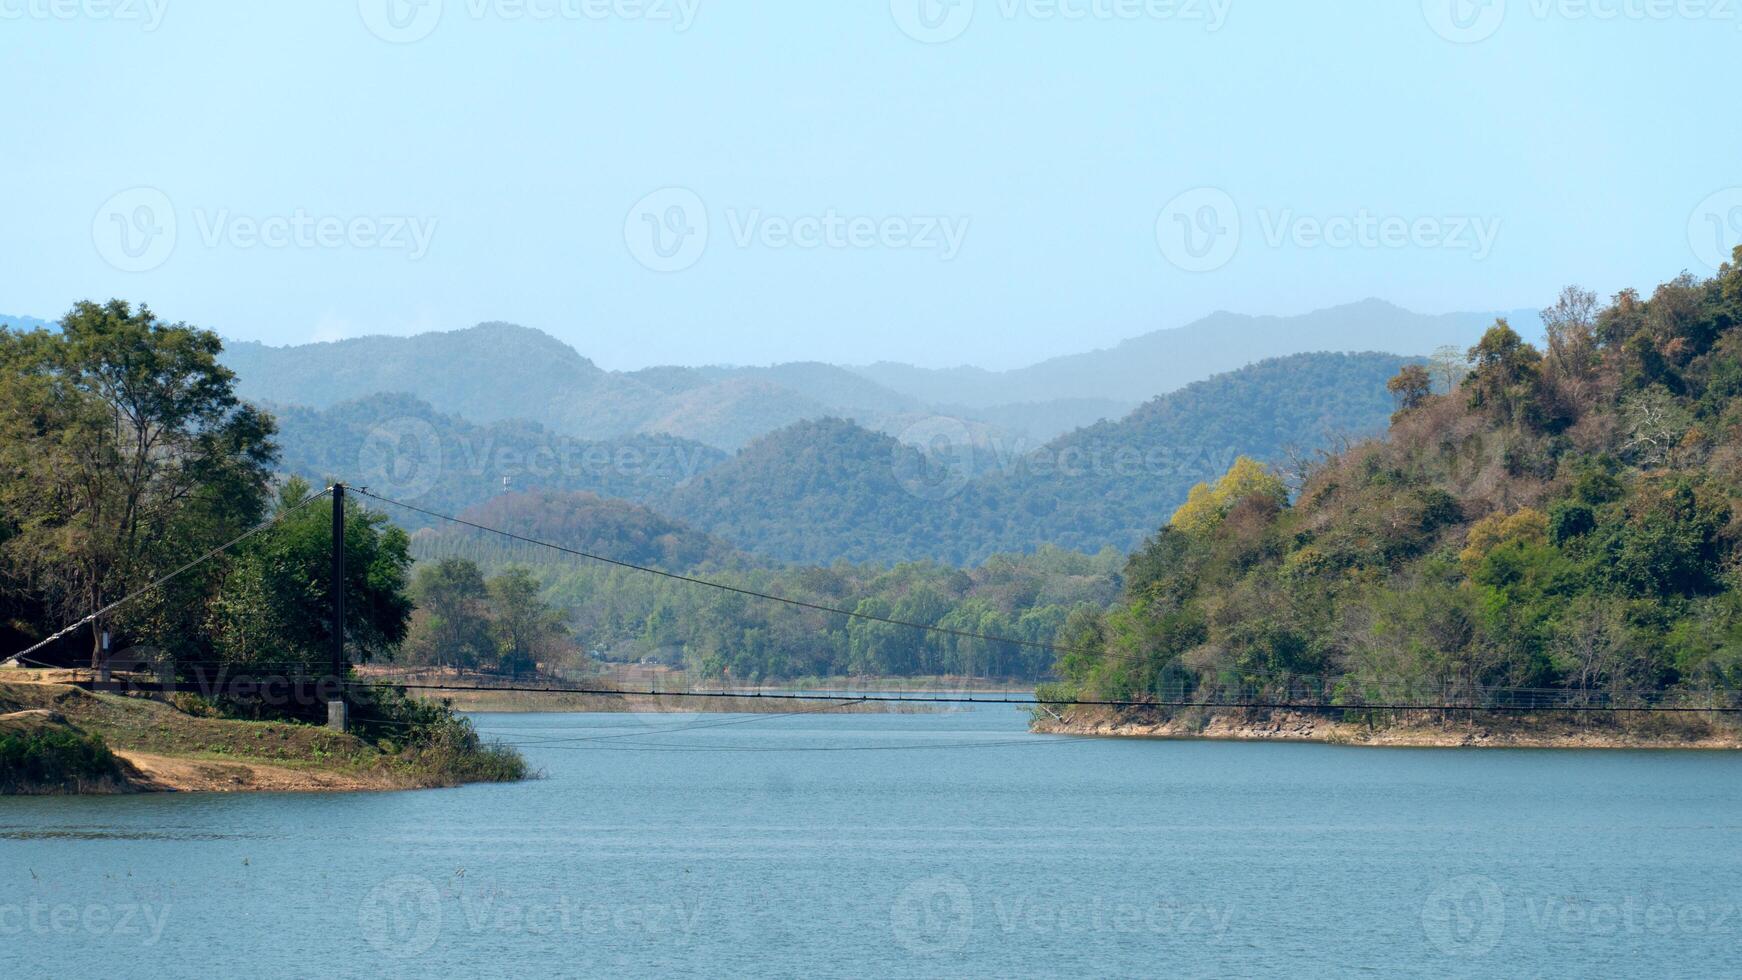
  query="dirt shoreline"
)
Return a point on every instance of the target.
[
  {"x": 180, "y": 774},
  {"x": 1557, "y": 731},
  {"x": 162, "y": 749}
]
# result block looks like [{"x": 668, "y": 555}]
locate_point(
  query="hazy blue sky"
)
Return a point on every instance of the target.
[{"x": 991, "y": 182}]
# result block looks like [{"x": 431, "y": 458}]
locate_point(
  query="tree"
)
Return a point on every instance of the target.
[
  {"x": 1207, "y": 505},
  {"x": 1571, "y": 325},
  {"x": 1655, "y": 423},
  {"x": 124, "y": 451},
  {"x": 1504, "y": 383},
  {"x": 273, "y": 604},
  {"x": 1448, "y": 364},
  {"x": 452, "y": 623},
  {"x": 1526, "y": 524},
  {"x": 528, "y": 629},
  {"x": 1410, "y": 387}
]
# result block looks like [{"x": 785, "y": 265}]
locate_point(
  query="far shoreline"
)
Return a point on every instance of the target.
[{"x": 1546, "y": 730}]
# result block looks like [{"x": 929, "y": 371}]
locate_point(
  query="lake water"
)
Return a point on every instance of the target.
[{"x": 903, "y": 845}]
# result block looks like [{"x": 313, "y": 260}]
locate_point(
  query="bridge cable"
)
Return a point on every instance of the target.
[
  {"x": 722, "y": 586},
  {"x": 159, "y": 583}
]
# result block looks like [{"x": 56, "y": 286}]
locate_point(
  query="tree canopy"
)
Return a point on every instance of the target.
[
  {"x": 123, "y": 451},
  {"x": 1568, "y": 521}
]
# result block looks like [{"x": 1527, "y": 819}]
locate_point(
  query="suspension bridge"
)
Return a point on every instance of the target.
[{"x": 1273, "y": 693}]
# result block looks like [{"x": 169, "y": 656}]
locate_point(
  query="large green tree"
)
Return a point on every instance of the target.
[
  {"x": 273, "y": 604},
  {"x": 452, "y": 623},
  {"x": 124, "y": 451},
  {"x": 528, "y": 629}
]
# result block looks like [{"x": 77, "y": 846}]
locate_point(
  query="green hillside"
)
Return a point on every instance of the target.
[
  {"x": 1563, "y": 519},
  {"x": 401, "y": 447},
  {"x": 581, "y": 521},
  {"x": 826, "y": 490}
]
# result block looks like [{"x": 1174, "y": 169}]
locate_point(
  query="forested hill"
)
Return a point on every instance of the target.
[
  {"x": 490, "y": 372},
  {"x": 580, "y": 521},
  {"x": 1565, "y": 518},
  {"x": 499, "y": 371},
  {"x": 816, "y": 492},
  {"x": 1110, "y": 483},
  {"x": 400, "y": 447},
  {"x": 23, "y": 323},
  {"x": 829, "y": 489}
]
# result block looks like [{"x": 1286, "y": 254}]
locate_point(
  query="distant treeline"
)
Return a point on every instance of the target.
[{"x": 619, "y": 614}]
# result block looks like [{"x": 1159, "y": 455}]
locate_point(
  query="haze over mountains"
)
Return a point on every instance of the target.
[
  {"x": 828, "y": 489},
  {"x": 498, "y": 371},
  {"x": 1138, "y": 369}
]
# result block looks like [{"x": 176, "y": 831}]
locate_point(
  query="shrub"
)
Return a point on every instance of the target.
[
  {"x": 53, "y": 760},
  {"x": 430, "y": 737}
]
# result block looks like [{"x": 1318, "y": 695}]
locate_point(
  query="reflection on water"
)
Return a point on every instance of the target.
[{"x": 902, "y": 845}]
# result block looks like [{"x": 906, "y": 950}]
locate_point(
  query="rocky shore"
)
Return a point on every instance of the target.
[{"x": 1559, "y": 730}]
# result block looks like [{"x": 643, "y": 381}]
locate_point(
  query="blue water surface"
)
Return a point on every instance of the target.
[{"x": 902, "y": 845}]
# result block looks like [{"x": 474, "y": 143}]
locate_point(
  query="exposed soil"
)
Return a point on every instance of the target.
[{"x": 165, "y": 773}]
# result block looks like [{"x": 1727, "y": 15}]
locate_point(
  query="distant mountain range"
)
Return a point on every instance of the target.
[
  {"x": 1165, "y": 360},
  {"x": 22, "y": 322},
  {"x": 827, "y": 489},
  {"x": 498, "y": 371}
]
